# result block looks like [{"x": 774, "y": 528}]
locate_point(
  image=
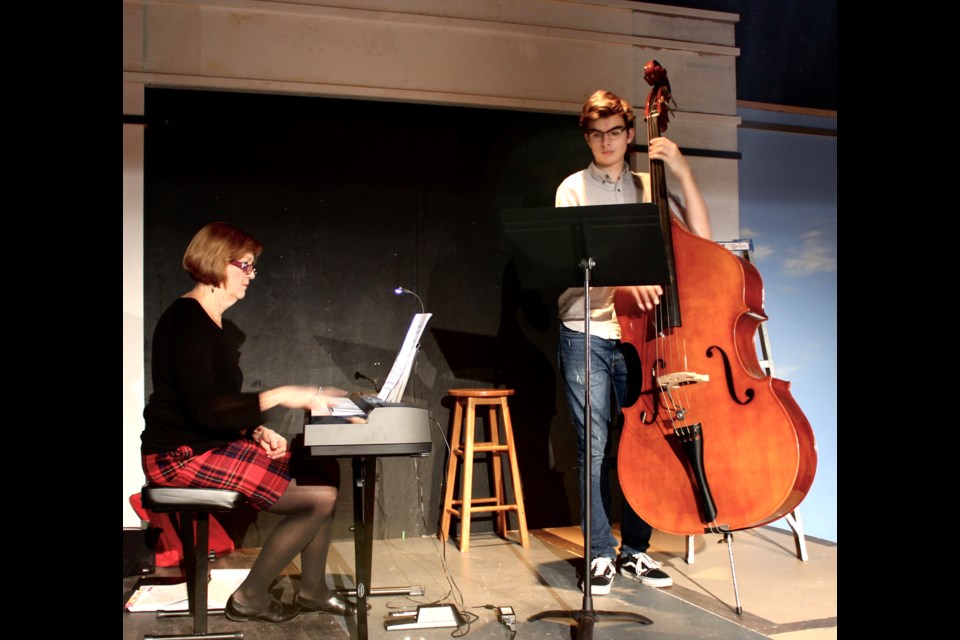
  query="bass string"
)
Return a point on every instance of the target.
[{"x": 669, "y": 348}]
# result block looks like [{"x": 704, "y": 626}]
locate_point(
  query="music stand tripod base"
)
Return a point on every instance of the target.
[{"x": 578, "y": 616}]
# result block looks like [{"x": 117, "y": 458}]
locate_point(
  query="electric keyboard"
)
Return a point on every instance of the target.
[{"x": 391, "y": 429}]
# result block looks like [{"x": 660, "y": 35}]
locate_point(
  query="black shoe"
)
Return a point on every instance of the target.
[
  {"x": 645, "y": 570},
  {"x": 602, "y": 572},
  {"x": 276, "y": 611},
  {"x": 335, "y": 604}
]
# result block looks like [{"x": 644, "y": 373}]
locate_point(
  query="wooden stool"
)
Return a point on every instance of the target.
[{"x": 463, "y": 448}]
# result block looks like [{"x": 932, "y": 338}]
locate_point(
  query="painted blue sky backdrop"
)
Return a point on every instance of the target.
[{"x": 788, "y": 207}]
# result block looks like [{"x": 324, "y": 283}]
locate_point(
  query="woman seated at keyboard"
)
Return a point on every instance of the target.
[{"x": 203, "y": 431}]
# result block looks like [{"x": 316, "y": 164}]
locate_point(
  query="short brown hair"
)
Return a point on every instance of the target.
[
  {"x": 603, "y": 104},
  {"x": 213, "y": 247}
]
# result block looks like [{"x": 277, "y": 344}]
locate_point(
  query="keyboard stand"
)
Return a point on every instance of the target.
[
  {"x": 364, "y": 498},
  {"x": 393, "y": 429}
]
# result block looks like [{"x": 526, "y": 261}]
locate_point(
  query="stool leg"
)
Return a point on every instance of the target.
[
  {"x": 451, "y": 471},
  {"x": 493, "y": 424},
  {"x": 515, "y": 475},
  {"x": 200, "y": 572},
  {"x": 195, "y": 563},
  {"x": 467, "y": 483},
  {"x": 185, "y": 531}
]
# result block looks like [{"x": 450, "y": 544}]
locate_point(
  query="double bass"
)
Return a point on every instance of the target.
[{"x": 711, "y": 443}]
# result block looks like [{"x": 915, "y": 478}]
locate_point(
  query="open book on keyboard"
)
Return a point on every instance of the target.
[{"x": 358, "y": 404}]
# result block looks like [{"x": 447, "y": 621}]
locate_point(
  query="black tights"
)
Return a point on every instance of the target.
[{"x": 306, "y": 530}]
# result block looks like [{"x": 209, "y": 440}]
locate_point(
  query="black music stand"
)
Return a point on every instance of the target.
[{"x": 551, "y": 247}]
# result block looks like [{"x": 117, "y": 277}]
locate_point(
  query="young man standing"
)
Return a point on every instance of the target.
[{"x": 607, "y": 121}]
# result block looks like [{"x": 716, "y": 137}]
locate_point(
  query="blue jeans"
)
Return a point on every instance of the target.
[{"x": 608, "y": 383}]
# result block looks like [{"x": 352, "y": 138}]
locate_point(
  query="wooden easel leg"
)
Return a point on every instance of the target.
[{"x": 793, "y": 519}]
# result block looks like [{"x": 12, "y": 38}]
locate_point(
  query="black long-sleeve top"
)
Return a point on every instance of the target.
[{"x": 197, "y": 398}]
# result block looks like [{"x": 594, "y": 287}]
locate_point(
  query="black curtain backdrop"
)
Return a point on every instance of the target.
[{"x": 350, "y": 199}]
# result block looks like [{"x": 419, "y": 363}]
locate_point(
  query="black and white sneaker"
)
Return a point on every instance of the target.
[
  {"x": 602, "y": 571},
  {"x": 645, "y": 570}
]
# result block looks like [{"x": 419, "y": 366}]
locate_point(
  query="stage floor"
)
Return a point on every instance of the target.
[{"x": 781, "y": 596}]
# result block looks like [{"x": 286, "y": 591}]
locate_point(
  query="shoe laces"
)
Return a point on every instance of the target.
[
  {"x": 601, "y": 565},
  {"x": 646, "y": 561}
]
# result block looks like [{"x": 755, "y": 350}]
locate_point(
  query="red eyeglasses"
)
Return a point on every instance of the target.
[{"x": 246, "y": 267}]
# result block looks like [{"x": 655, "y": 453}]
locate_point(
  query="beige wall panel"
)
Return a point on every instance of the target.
[
  {"x": 696, "y": 131},
  {"x": 700, "y": 83},
  {"x": 133, "y": 36},
  {"x": 718, "y": 29},
  {"x": 601, "y": 16},
  {"x": 328, "y": 50},
  {"x": 719, "y": 182},
  {"x": 133, "y": 99},
  {"x": 347, "y": 52}
]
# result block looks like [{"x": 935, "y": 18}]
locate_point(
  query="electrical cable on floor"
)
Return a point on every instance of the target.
[
  {"x": 505, "y": 615},
  {"x": 454, "y": 593}
]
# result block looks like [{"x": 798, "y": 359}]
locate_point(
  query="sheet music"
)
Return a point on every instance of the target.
[
  {"x": 173, "y": 597},
  {"x": 396, "y": 382}
]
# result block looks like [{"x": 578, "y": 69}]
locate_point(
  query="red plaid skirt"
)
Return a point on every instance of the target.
[{"x": 241, "y": 466}]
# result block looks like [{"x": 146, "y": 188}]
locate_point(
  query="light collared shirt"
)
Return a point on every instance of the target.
[{"x": 593, "y": 186}]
